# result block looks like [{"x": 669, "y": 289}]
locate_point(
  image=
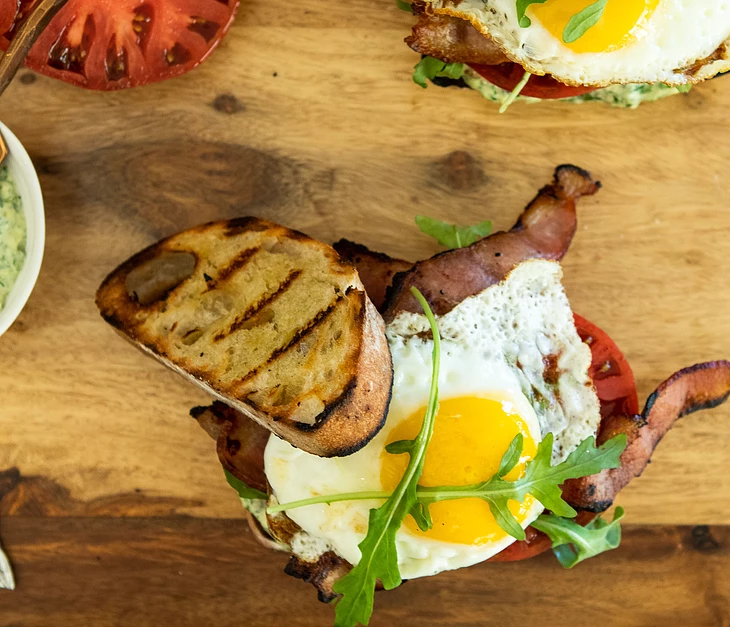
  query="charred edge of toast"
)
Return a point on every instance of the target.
[
  {"x": 349, "y": 450},
  {"x": 350, "y": 250},
  {"x": 255, "y": 308},
  {"x": 233, "y": 227},
  {"x": 349, "y": 392},
  {"x": 120, "y": 273}
]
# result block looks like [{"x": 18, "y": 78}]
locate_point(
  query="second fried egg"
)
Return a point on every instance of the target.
[{"x": 634, "y": 41}]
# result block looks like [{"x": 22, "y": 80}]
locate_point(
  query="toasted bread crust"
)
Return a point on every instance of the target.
[{"x": 266, "y": 319}]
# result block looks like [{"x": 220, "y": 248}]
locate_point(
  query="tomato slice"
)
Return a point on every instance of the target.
[
  {"x": 610, "y": 372},
  {"x": 508, "y": 75},
  {"x": 9, "y": 10},
  {"x": 616, "y": 389},
  {"x": 115, "y": 44}
]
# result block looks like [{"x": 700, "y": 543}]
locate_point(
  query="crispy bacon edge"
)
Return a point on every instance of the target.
[
  {"x": 544, "y": 231},
  {"x": 376, "y": 270},
  {"x": 692, "y": 389},
  {"x": 452, "y": 39}
]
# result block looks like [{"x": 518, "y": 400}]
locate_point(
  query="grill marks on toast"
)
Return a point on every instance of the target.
[
  {"x": 253, "y": 315},
  {"x": 236, "y": 265},
  {"x": 302, "y": 333},
  {"x": 264, "y": 293}
]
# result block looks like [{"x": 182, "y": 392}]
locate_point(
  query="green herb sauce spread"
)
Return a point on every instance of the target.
[
  {"x": 624, "y": 96},
  {"x": 12, "y": 234}
]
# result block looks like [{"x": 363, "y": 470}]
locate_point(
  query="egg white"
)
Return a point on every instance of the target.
[
  {"x": 668, "y": 48},
  {"x": 294, "y": 474}
]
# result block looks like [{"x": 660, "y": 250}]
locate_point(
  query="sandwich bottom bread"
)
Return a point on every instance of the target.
[{"x": 512, "y": 423}]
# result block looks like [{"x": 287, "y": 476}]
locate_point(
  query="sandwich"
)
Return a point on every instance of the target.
[
  {"x": 621, "y": 53},
  {"x": 383, "y": 420}
]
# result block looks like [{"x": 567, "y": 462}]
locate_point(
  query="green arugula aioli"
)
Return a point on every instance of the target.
[
  {"x": 624, "y": 96},
  {"x": 12, "y": 234}
]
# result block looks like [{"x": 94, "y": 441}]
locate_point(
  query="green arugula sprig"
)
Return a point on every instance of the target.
[
  {"x": 540, "y": 479},
  {"x": 429, "y": 68},
  {"x": 379, "y": 559},
  {"x": 522, "y": 6},
  {"x": 452, "y": 235},
  {"x": 513, "y": 95},
  {"x": 244, "y": 491},
  {"x": 573, "y": 543},
  {"x": 579, "y": 24}
]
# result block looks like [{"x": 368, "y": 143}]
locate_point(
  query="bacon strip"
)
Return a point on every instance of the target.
[
  {"x": 453, "y": 40},
  {"x": 376, "y": 270},
  {"x": 698, "y": 387},
  {"x": 544, "y": 231},
  {"x": 240, "y": 442},
  {"x": 322, "y": 574}
]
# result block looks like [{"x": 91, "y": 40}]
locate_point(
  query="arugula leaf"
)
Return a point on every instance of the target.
[
  {"x": 584, "y": 20},
  {"x": 429, "y": 68},
  {"x": 522, "y": 6},
  {"x": 244, "y": 491},
  {"x": 404, "y": 6},
  {"x": 511, "y": 455},
  {"x": 512, "y": 96},
  {"x": 451, "y": 235},
  {"x": 573, "y": 543},
  {"x": 379, "y": 559},
  {"x": 541, "y": 480}
]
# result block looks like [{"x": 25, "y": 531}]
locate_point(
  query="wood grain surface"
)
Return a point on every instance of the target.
[{"x": 308, "y": 116}]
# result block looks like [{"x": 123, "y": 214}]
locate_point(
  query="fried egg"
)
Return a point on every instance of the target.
[
  {"x": 635, "y": 41},
  {"x": 511, "y": 362}
]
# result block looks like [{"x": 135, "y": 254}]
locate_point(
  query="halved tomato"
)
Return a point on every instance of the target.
[
  {"x": 115, "y": 44},
  {"x": 508, "y": 76},
  {"x": 616, "y": 390}
]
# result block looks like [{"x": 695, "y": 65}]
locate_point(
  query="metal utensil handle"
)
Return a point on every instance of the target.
[{"x": 24, "y": 39}]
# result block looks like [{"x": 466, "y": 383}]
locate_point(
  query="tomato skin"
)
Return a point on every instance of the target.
[
  {"x": 616, "y": 389},
  {"x": 118, "y": 44},
  {"x": 610, "y": 371},
  {"x": 535, "y": 543},
  {"x": 508, "y": 75}
]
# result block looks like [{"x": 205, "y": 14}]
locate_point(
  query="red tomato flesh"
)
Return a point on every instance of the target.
[
  {"x": 508, "y": 75},
  {"x": 616, "y": 389},
  {"x": 115, "y": 44}
]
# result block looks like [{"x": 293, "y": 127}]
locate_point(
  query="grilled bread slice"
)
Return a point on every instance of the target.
[{"x": 270, "y": 321}]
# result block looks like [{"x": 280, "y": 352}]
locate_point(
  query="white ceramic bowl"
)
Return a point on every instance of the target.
[{"x": 29, "y": 188}]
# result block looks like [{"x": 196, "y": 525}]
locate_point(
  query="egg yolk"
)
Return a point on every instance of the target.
[
  {"x": 470, "y": 437},
  {"x": 616, "y": 28}
]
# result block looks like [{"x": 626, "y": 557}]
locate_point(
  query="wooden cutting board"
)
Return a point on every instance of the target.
[{"x": 112, "y": 501}]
